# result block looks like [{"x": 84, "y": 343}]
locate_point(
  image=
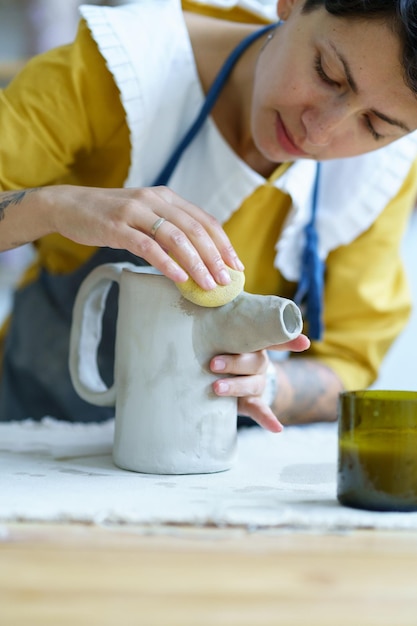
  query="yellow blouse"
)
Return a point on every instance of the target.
[{"x": 366, "y": 296}]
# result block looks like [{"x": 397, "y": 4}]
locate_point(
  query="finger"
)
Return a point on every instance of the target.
[
  {"x": 204, "y": 233},
  {"x": 152, "y": 241},
  {"x": 240, "y": 386},
  {"x": 248, "y": 390},
  {"x": 260, "y": 413},
  {"x": 195, "y": 239},
  {"x": 201, "y": 259},
  {"x": 170, "y": 238},
  {"x": 200, "y": 243},
  {"x": 299, "y": 344},
  {"x": 248, "y": 363},
  {"x": 145, "y": 247}
]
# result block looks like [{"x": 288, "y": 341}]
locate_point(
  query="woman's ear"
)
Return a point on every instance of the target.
[{"x": 285, "y": 7}]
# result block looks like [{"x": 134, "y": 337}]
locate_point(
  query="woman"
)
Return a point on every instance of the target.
[{"x": 333, "y": 81}]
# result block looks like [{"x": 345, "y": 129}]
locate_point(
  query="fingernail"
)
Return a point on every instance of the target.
[
  {"x": 224, "y": 277},
  {"x": 179, "y": 275},
  {"x": 222, "y": 387},
  {"x": 218, "y": 365},
  {"x": 239, "y": 265},
  {"x": 209, "y": 282}
]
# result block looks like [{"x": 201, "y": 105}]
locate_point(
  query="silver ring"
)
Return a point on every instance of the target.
[{"x": 157, "y": 225}]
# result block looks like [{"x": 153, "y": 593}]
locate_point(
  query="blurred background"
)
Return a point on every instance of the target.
[{"x": 31, "y": 26}]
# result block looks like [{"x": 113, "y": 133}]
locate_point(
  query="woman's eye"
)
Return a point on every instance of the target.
[
  {"x": 371, "y": 129},
  {"x": 322, "y": 74}
]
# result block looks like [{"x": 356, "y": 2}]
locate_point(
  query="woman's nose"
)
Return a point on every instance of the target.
[{"x": 321, "y": 123}]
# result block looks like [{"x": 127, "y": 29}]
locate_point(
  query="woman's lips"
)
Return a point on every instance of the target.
[{"x": 285, "y": 140}]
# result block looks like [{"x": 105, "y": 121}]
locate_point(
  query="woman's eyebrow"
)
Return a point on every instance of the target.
[
  {"x": 348, "y": 74},
  {"x": 354, "y": 87},
  {"x": 391, "y": 121}
]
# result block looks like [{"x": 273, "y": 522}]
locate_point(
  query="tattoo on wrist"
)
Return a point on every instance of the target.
[
  {"x": 314, "y": 391},
  {"x": 13, "y": 197}
]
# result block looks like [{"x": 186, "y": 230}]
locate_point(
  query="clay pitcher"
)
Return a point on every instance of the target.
[{"x": 168, "y": 420}]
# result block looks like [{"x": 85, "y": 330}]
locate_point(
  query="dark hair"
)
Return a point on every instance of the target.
[{"x": 401, "y": 15}]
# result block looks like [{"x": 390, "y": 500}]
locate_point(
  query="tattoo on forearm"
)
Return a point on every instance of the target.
[
  {"x": 314, "y": 391},
  {"x": 14, "y": 197}
]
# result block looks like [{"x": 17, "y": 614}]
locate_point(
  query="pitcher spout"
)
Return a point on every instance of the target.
[{"x": 249, "y": 323}]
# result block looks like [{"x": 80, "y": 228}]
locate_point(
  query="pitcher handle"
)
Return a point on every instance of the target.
[{"x": 86, "y": 331}]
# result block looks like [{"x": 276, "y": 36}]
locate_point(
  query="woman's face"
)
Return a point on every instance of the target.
[{"x": 328, "y": 87}]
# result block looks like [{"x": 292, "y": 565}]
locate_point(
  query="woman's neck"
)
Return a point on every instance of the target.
[{"x": 212, "y": 41}]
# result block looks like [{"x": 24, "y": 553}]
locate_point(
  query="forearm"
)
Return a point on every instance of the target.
[
  {"x": 122, "y": 218},
  {"x": 307, "y": 392},
  {"x": 23, "y": 217}
]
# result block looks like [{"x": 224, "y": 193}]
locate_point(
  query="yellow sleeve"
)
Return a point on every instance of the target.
[
  {"x": 62, "y": 121},
  {"x": 367, "y": 300},
  {"x": 62, "y": 108}
]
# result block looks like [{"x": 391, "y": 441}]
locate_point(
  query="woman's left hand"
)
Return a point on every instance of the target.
[{"x": 248, "y": 381}]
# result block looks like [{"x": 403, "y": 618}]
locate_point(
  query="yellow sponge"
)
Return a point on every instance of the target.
[{"x": 222, "y": 294}]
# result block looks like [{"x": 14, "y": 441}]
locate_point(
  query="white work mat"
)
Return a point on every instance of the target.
[{"x": 54, "y": 471}]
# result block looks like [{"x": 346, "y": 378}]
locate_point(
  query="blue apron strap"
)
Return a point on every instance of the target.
[
  {"x": 310, "y": 287},
  {"x": 212, "y": 95}
]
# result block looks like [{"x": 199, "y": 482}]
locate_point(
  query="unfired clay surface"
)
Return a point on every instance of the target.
[{"x": 168, "y": 420}]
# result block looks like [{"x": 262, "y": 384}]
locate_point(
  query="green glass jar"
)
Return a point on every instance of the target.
[{"x": 377, "y": 465}]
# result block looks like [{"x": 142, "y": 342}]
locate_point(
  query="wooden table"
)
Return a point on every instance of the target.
[{"x": 78, "y": 575}]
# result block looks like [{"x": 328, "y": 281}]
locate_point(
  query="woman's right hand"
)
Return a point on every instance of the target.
[{"x": 123, "y": 219}]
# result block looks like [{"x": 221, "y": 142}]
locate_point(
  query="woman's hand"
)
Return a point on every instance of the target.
[
  {"x": 124, "y": 219},
  {"x": 248, "y": 380}
]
